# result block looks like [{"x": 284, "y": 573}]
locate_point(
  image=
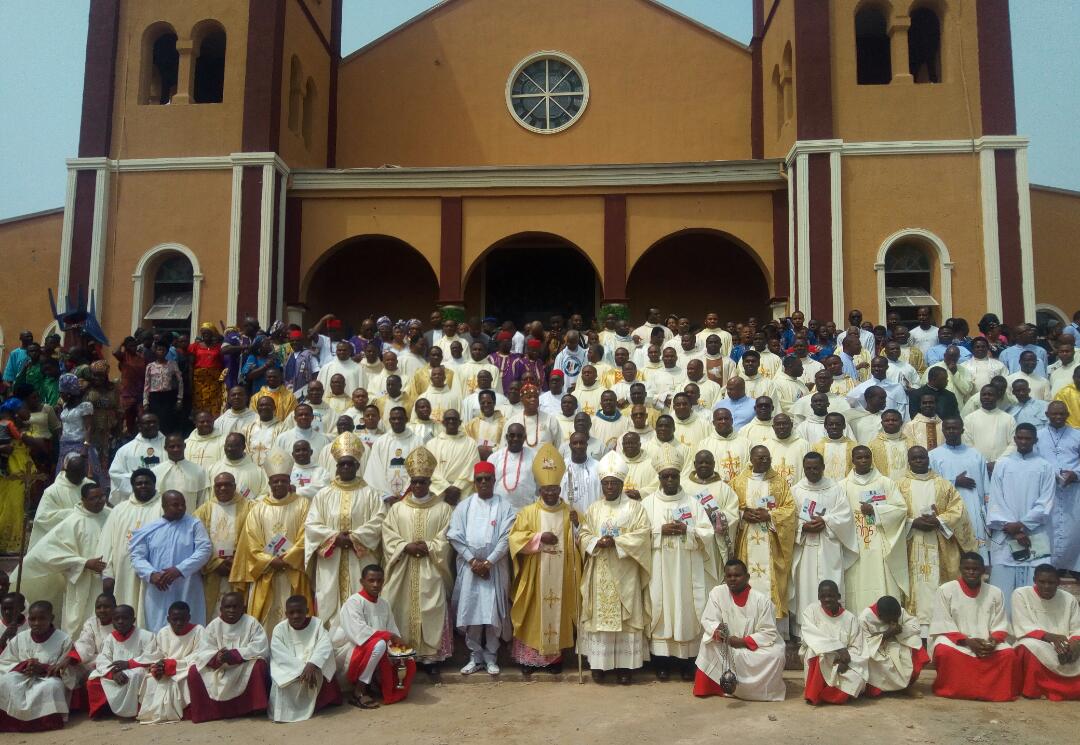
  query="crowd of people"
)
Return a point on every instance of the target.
[{"x": 281, "y": 520}]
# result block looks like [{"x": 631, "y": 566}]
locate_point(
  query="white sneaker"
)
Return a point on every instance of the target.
[
  {"x": 493, "y": 669},
  {"x": 472, "y": 667}
]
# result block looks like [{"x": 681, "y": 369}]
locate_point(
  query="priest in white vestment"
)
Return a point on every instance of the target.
[
  {"x": 344, "y": 366},
  {"x": 302, "y": 665},
  {"x": 263, "y": 432},
  {"x": 641, "y": 479},
  {"x": 177, "y": 473},
  {"x": 385, "y": 470},
  {"x": 141, "y": 508},
  {"x": 223, "y": 516},
  {"x": 740, "y": 635},
  {"x": 239, "y": 416},
  {"x": 457, "y": 454},
  {"x": 304, "y": 418},
  {"x": 730, "y": 452},
  {"x": 145, "y": 451},
  {"x": 204, "y": 446},
  {"x": 989, "y": 428},
  {"x": 307, "y": 476}
]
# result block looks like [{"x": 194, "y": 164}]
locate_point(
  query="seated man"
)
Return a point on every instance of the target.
[
  {"x": 165, "y": 690},
  {"x": 967, "y": 638},
  {"x": 1046, "y": 625},
  {"x": 832, "y": 649},
  {"x": 745, "y": 620},
  {"x": 893, "y": 647},
  {"x": 301, "y": 665},
  {"x": 82, "y": 659},
  {"x": 125, "y": 656},
  {"x": 362, "y": 633},
  {"x": 229, "y": 669},
  {"x": 33, "y": 688}
]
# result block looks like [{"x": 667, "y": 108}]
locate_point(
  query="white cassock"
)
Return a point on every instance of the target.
[
  {"x": 891, "y": 661},
  {"x": 691, "y": 431},
  {"x": 786, "y": 391},
  {"x": 354, "y": 626},
  {"x": 307, "y": 480},
  {"x": 248, "y": 638},
  {"x": 1040, "y": 386},
  {"x": 64, "y": 553},
  {"x": 288, "y": 438},
  {"x": 125, "y": 519},
  {"x": 812, "y": 428},
  {"x": 1061, "y": 375},
  {"x": 865, "y": 425},
  {"x": 759, "y": 670},
  {"x": 949, "y": 462},
  {"x": 1058, "y": 615},
  {"x": 881, "y": 567},
  {"x": 291, "y": 650},
  {"x": 683, "y": 574},
  {"x": 352, "y": 507},
  {"x": 57, "y": 502},
  {"x": 824, "y": 555},
  {"x": 185, "y": 477},
  {"x": 514, "y": 477},
  {"x": 801, "y": 410},
  {"x": 756, "y": 432},
  {"x": 347, "y": 369},
  {"x": 539, "y": 428},
  {"x": 787, "y": 456},
  {"x": 581, "y": 484},
  {"x": 640, "y": 476},
  {"x": 322, "y": 417},
  {"x": 990, "y": 432},
  {"x": 236, "y": 421},
  {"x": 164, "y": 699},
  {"x": 27, "y": 698},
  {"x": 480, "y": 529},
  {"x": 250, "y": 479},
  {"x": 204, "y": 451},
  {"x": 984, "y": 370},
  {"x": 824, "y": 635},
  {"x": 140, "y": 646},
  {"x": 139, "y": 453},
  {"x": 385, "y": 470},
  {"x": 442, "y": 400}
]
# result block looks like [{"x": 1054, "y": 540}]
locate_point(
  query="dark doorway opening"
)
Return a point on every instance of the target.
[{"x": 533, "y": 277}]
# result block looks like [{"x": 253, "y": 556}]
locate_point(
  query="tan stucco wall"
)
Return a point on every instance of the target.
[
  {"x": 191, "y": 208},
  {"x": 328, "y": 222},
  {"x": 302, "y": 41},
  {"x": 778, "y": 138},
  {"x": 906, "y": 111},
  {"x": 885, "y": 194},
  {"x": 434, "y": 93},
  {"x": 30, "y": 255},
  {"x": 1055, "y": 237},
  {"x": 144, "y": 131}
]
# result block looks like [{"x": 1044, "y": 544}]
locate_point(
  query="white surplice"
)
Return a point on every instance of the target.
[
  {"x": 759, "y": 671},
  {"x": 140, "y": 646},
  {"x": 1058, "y": 615},
  {"x": 890, "y": 662},
  {"x": 164, "y": 699},
  {"x": 24, "y": 697},
  {"x": 248, "y": 638},
  {"x": 291, "y": 650},
  {"x": 823, "y": 636}
]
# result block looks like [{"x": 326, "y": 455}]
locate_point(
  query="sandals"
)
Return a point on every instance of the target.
[{"x": 363, "y": 702}]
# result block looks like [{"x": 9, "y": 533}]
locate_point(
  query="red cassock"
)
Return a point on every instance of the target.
[
  {"x": 993, "y": 678},
  {"x": 385, "y": 674},
  {"x": 1036, "y": 680},
  {"x": 254, "y": 698}
]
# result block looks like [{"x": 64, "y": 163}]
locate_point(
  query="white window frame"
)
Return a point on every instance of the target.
[
  {"x": 944, "y": 261},
  {"x": 535, "y": 57},
  {"x": 138, "y": 280}
]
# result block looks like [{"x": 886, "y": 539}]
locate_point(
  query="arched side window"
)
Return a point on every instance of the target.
[
  {"x": 296, "y": 94},
  {"x": 873, "y": 56},
  {"x": 208, "y": 41},
  {"x": 924, "y": 46},
  {"x": 778, "y": 90},
  {"x": 914, "y": 269},
  {"x": 787, "y": 83},
  {"x": 160, "y": 65},
  {"x": 167, "y": 284},
  {"x": 308, "y": 119}
]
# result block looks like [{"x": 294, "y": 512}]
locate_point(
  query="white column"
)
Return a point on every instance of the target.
[
  {"x": 266, "y": 243},
  {"x": 64, "y": 276},
  {"x": 791, "y": 239},
  {"x": 802, "y": 196},
  {"x": 991, "y": 255},
  {"x": 280, "y": 290},
  {"x": 1027, "y": 256},
  {"x": 99, "y": 236},
  {"x": 837, "y": 219},
  {"x": 234, "y": 244}
]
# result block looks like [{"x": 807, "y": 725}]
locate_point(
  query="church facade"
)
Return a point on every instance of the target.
[{"x": 516, "y": 159}]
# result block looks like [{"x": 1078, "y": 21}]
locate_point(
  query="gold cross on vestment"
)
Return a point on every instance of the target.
[
  {"x": 757, "y": 570},
  {"x": 731, "y": 465},
  {"x": 551, "y": 599},
  {"x": 756, "y": 538},
  {"x": 551, "y": 634}
]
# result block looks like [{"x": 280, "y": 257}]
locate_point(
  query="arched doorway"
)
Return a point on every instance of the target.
[
  {"x": 532, "y": 276},
  {"x": 370, "y": 275},
  {"x": 692, "y": 273}
]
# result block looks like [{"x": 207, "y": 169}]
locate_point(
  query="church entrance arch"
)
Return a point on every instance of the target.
[
  {"x": 532, "y": 276},
  {"x": 370, "y": 275},
  {"x": 694, "y": 272}
]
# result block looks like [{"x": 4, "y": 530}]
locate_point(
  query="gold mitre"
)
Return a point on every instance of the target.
[
  {"x": 347, "y": 444},
  {"x": 670, "y": 458},
  {"x": 420, "y": 462},
  {"x": 278, "y": 462},
  {"x": 548, "y": 466}
]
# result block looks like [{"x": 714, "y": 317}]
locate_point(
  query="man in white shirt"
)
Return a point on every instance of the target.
[{"x": 925, "y": 334}]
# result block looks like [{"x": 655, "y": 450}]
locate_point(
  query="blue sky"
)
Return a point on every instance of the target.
[{"x": 44, "y": 48}]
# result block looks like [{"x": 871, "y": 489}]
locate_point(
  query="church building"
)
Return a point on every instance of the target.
[{"x": 515, "y": 159}]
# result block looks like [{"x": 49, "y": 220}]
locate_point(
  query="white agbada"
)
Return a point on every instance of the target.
[
  {"x": 480, "y": 529},
  {"x": 890, "y": 662},
  {"x": 347, "y": 368},
  {"x": 824, "y": 635},
  {"x": 385, "y": 470},
  {"x": 27, "y": 698},
  {"x": 185, "y": 477},
  {"x": 288, "y": 438},
  {"x": 164, "y": 700},
  {"x": 139, "y": 453},
  {"x": 250, "y": 479},
  {"x": 759, "y": 671},
  {"x": 581, "y": 484},
  {"x": 64, "y": 552},
  {"x": 291, "y": 650},
  {"x": 139, "y": 646},
  {"x": 824, "y": 555},
  {"x": 248, "y": 638},
  {"x": 683, "y": 574},
  {"x": 204, "y": 451},
  {"x": 513, "y": 476},
  {"x": 539, "y": 428},
  {"x": 352, "y": 507},
  {"x": 357, "y": 622},
  {"x": 125, "y": 519},
  {"x": 236, "y": 421},
  {"x": 1058, "y": 615}
]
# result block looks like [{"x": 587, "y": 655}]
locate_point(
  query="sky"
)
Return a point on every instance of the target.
[{"x": 43, "y": 45}]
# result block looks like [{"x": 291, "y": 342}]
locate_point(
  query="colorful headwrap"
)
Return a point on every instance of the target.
[
  {"x": 100, "y": 366},
  {"x": 529, "y": 388},
  {"x": 11, "y": 405},
  {"x": 384, "y": 321},
  {"x": 207, "y": 326},
  {"x": 69, "y": 384}
]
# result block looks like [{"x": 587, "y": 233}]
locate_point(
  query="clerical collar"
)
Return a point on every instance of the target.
[{"x": 741, "y": 596}]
